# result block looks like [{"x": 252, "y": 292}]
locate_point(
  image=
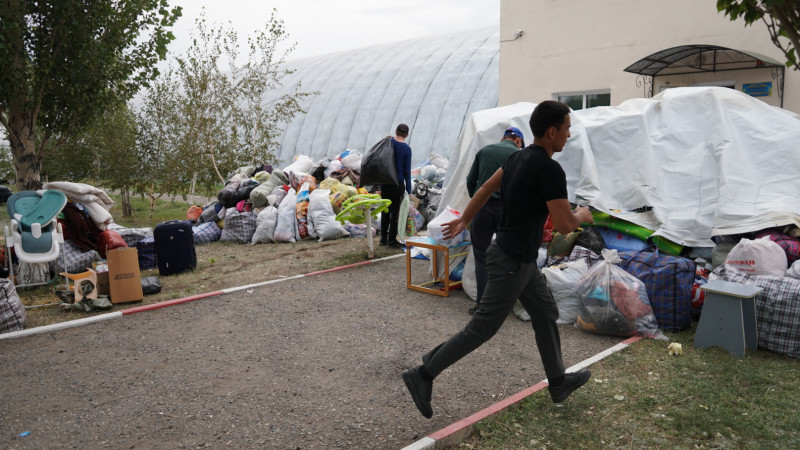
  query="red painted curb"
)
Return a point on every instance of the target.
[
  {"x": 631, "y": 340},
  {"x": 465, "y": 424},
  {"x": 338, "y": 268},
  {"x": 484, "y": 413},
  {"x": 139, "y": 309}
]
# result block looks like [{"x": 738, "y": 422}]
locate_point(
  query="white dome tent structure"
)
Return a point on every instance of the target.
[{"x": 433, "y": 84}]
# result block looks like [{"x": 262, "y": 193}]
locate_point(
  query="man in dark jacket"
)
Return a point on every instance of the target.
[
  {"x": 533, "y": 185},
  {"x": 486, "y": 162},
  {"x": 402, "y": 157}
]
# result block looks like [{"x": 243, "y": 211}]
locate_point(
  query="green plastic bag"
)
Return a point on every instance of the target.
[{"x": 402, "y": 218}]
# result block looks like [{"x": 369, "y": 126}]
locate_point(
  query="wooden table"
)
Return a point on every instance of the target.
[{"x": 425, "y": 242}]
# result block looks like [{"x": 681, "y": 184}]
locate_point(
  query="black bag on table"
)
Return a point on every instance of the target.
[
  {"x": 174, "y": 241},
  {"x": 378, "y": 165}
]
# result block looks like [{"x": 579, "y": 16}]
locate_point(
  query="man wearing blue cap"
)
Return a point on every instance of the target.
[{"x": 484, "y": 225}]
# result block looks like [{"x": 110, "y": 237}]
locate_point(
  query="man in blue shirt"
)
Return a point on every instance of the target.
[{"x": 402, "y": 158}]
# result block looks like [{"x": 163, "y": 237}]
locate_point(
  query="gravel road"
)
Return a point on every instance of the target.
[{"x": 307, "y": 363}]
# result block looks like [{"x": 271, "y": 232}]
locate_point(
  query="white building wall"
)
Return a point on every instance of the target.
[{"x": 582, "y": 45}]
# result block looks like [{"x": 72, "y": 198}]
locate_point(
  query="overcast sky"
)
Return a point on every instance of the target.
[{"x": 320, "y": 27}]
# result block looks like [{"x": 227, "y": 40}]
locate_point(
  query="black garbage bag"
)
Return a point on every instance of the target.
[
  {"x": 378, "y": 165},
  {"x": 227, "y": 196},
  {"x": 151, "y": 285},
  {"x": 592, "y": 239}
]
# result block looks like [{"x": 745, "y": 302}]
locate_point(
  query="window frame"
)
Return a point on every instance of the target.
[{"x": 583, "y": 94}]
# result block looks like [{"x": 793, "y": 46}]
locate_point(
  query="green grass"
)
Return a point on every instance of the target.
[
  {"x": 643, "y": 397},
  {"x": 164, "y": 210}
]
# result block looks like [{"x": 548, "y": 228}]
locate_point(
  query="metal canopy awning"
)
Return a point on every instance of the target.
[{"x": 698, "y": 58}]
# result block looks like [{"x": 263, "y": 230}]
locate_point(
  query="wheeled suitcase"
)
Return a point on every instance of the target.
[{"x": 174, "y": 243}]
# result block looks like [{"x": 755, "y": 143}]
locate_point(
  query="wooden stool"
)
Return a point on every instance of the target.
[
  {"x": 728, "y": 318},
  {"x": 426, "y": 242}
]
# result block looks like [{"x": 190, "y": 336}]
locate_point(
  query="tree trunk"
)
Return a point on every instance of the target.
[
  {"x": 194, "y": 183},
  {"x": 152, "y": 206},
  {"x": 23, "y": 148},
  {"x": 127, "y": 211}
]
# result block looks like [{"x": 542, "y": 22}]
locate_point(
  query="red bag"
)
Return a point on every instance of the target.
[
  {"x": 194, "y": 213},
  {"x": 547, "y": 232},
  {"x": 109, "y": 240}
]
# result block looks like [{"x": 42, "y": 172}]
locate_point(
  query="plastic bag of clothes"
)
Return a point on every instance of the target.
[
  {"x": 435, "y": 228},
  {"x": 614, "y": 302},
  {"x": 227, "y": 196},
  {"x": 302, "y": 163},
  {"x": 266, "y": 222},
  {"x": 279, "y": 194},
  {"x": 296, "y": 180},
  {"x": 259, "y": 195},
  {"x": 333, "y": 167},
  {"x": 239, "y": 226},
  {"x": 278, "y": 178},
  {"x": 301, "y": 211},
  {"x": 262, "y": 176},
  {"x": 320, "y": 213},
  {"x": 285, "y": 228},
  {"x": 318, "y": 170},
  {"x": 337, "y": 199},
  {"x": 353, "y": 160},
  {"x": 758, "y": 257},
  {"x": 563, "y": 282},
  {"x": 245, "y": 188}
]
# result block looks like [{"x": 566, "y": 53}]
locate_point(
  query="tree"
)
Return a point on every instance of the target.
[
  {"x": 67, "y": 61},
  {"x": 782, "y": 18},
  {"x": 233, "y": 113},
  {"x": 261, "y": 112},
  {"x": 208, "y": 99},
  {"x": 163, "y": 165},
  {"x": 105, "y": 152}
]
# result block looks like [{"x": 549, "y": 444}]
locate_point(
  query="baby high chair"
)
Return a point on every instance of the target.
[{"x": 35, "y": 233}]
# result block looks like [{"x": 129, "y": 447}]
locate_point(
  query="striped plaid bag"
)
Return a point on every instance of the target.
[
  {"x": 777, "y": 308},
  {"x": 669, "y": 281},
  {"x": 789, "y": 244},
  {"x": 146, "y": 252},
  {"x": 239, "y": 226},
  {"x": 12, "y": 312},
  {"x": 206, "y": 233}
]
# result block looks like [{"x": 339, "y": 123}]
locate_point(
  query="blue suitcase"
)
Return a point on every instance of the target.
[{"x": 174, "y": 241}]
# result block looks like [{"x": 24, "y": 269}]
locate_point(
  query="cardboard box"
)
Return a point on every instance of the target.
[
  {"x": 124, "y": 279},
  {"x": 77, "y": 280},
  {"x": 102, "y": 284}
]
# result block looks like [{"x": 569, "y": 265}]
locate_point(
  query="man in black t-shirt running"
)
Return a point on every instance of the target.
[{"x": 532, "y": 185}]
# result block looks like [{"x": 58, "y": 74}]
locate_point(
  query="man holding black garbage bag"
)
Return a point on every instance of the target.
[{"x": 402, "y": 157}]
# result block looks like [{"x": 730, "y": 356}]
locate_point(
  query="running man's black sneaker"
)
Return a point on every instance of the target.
[
  {"x": 571, "y": 382},
  {"x": 420, "y": 391}
]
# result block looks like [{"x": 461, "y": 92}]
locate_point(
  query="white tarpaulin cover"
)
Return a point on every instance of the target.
[{"x": 708, "y": 161}]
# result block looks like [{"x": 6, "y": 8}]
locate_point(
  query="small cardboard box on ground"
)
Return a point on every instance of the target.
[{"x": 124, "y": 279}]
